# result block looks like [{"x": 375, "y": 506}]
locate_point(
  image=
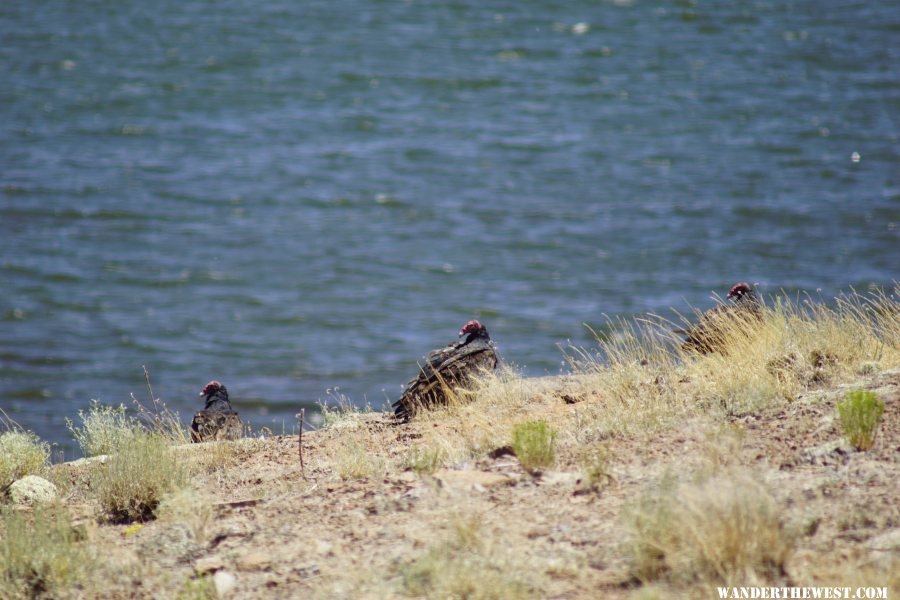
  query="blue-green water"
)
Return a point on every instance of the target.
[{"x": 293, "y": 196}]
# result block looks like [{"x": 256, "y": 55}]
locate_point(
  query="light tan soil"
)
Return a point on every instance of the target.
[{"x": 286, "y": 533}]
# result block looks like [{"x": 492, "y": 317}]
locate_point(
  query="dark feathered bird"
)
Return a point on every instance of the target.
[
  {"x": 450, "y": 367},
  {"x": 218, "y": 420},
  {"x": 712, "y": 328}
]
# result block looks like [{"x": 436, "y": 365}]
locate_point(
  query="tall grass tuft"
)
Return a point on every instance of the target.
[
  {"x": 534, "y": 444},
  {"x": 358, "y": 462},
  {"x": 641, "y": 378},
  {"x": 725, "y": 529},
  {"x": 463, "y": 566},
  {"x": 426, "y": 459},
  {"x": 135, "y": 479},
  {"x": 860, "y": 413},
  {"x": 104, "y": 429},
  {"x": 21, "y": 453},
  {"x": 41, "y": 555}
]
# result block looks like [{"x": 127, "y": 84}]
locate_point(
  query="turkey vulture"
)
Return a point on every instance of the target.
[
  {"x": 218, "y": 420},
  {"x": 446, "y": 368},
  {"x": 707, "y": 335}
]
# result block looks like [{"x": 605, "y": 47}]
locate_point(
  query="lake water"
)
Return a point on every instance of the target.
[{"x": 296, "y": 196}]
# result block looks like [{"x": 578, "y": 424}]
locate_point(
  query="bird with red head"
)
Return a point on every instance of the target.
[
  {"x": 448, "y": 369},
  {"x": 714, "y": 325},
  {"x": 218, "y": 420}
]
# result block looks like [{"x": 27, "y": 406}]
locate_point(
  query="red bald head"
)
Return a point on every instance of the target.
[
  {"x": 739, "y": 290},
  {"x": 211, "y": 388},
  {"x": 472, "y": 326}
]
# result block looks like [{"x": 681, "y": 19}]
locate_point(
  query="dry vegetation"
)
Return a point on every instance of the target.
[
  {"x": 646, "y": 472},
  {"x": 21, "y": 453}
]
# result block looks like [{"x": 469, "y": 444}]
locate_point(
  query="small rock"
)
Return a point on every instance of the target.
[
  {"x": 828, "y": 452},
  {"x": 308, "y": 571},
  {"x": 209, "y": 564},
  {"x": 32, "y": 490},
  {"x": 559, "y": 478},
  {"x": 501, "y": 451},
  {"x": 888, "y": 541},
  {"x": 324, "y": 547},
  {"x": 477, "y": 480},
  {"x": 89, "y": 460},
  {"x": 254, "y": 561},
  {"x": 224, "y": 582}
]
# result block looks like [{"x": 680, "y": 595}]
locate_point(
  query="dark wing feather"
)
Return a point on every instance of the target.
[
  {"x": 212, "y": 425},
  {"x": 447, "y": 368},
  {"x": 711, "y": 329}
]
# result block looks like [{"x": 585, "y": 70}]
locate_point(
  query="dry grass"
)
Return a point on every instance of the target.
[
  {"x": 340, "y": 410},
  {"x": 162, "y": 421},
  {"x": 187, "y": 507},
  {"x": 482, "y": 419},
  {"x": 595, "y": 467},
  {"x": 644, "y": 380},
  {"x": 358, "y": 462},
  {"x": 104, "y": 429},
  {"x": 724, "y": 529},
  {"x": 464, "y": 566},
  {"x": 21, "y": 453},
  {"x": 201, "y": 588},
  {"x": 132, "y": 483},
  {"x": 157, "y": 417},
  {"x": 41, "y": 555},
  {"x": 373, "y": 531},
  {"x": 426, "y": 459},
  {"x": 638, "y": 380}
]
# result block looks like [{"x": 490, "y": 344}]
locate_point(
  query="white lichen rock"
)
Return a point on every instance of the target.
[
  {"x": 224, "y": 582},
  {"x": 32, "y": 490}
]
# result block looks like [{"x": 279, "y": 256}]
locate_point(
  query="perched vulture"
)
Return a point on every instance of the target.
[
  {"x": 707, "y": 335},
  {"x": 448, "y": 368},
  {"x": 218, "y": 420}
]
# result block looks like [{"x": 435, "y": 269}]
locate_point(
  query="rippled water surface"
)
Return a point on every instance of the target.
[{"x": 292, "y": 196}]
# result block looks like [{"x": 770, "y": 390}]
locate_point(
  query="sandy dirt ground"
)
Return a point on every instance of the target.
[{"x": 283, "y": 531}]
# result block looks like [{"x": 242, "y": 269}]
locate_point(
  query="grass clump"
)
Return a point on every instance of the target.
[
  {"x": 21, "y": 453},
  {"x": 595, "y": 467},
  {"x": 339, "y": 411},
  {"x": 860, "y": 413},
  {"x": 201, "y": 588},
  {"x": 104, "y": 429},
  {"x": 463, "y": 567},
  {"x": 641, "y": 378},
  {"x": 134, "y": 480},
  {"x": 725, "y": 529},
  {"x": 186, "y": 507},
  {"x": 534, "y": 444},
  {"x": 41, "y": 555},
  {"x": 357, "y": 462},
  {"x": 425, "y": 459}
]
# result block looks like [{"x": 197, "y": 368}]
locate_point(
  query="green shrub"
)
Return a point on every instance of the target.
[
  {"x": 41, "y": 556},
  {"x": 860, "y": 415},
  {"x": 134, "y": 480},
  {"x": 104, "y": 429},
  {"x": 202, "y": 588},
  {"x": 533, "y": 442},
  {"x": 21, "y": 453}
]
